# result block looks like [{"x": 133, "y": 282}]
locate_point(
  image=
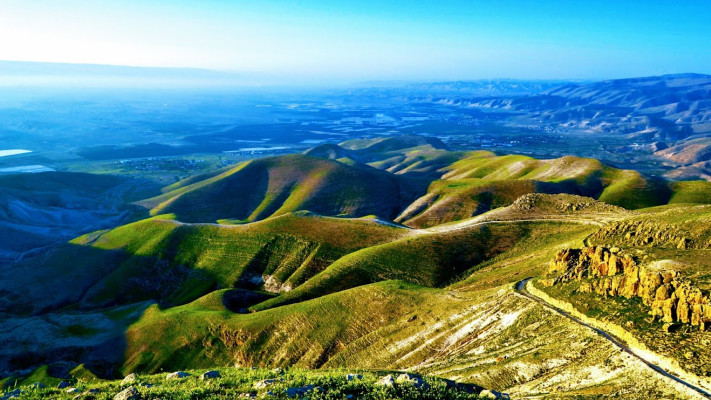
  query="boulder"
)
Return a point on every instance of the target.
[
  {"x": 300, "y": 391},
  {"x": 130, "y": 378},
  {"x": 177, "y": 375},
  {"x": 37, "y": 385},
  {"x": 130, "y": 393},
  {"x": 353, "y": 377},
  {"x": 210, "y": 375},
  {"x": 387, "y": 380},
  {"x": 412, "y": 379}
]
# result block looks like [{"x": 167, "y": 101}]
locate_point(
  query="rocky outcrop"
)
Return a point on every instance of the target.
[
  {"x": 648, "y": 233},
  {"x": 610, "y": 272}
]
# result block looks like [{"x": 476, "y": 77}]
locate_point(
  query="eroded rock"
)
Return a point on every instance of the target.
[{"x": 614, "y": 273}]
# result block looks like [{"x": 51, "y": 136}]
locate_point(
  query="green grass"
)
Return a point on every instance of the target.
[
  {"x": 81, "y": 373},
  {"x": 305, "y": 334},
  {"x": 629, "y": 189},
  {"x": 433, "y": 260},
  {"x": 175, "y": 263},
  {"x": 482, "y": 181},
  {"x": 529, "y": 256},
  {"x": 274, "y": 186},
  {"x": 455, "y": 200},
  {"x": 691, "y": 192},
  {"x": 332, "y": 384}
]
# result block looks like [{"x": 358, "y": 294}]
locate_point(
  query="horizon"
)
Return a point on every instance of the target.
[
  {"x": 98, "y": 75},
  {"x": 351, "y": 42}
]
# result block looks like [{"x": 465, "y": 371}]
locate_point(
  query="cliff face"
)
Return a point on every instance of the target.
[{"x": 609, "y": 272}]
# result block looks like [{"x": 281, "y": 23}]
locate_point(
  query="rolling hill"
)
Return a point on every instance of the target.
[
  {"x": 273, "y": 186},
  {"x": 301, "y": 260}
]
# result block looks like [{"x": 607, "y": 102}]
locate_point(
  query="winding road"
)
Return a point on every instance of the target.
[{"x": 521, "y": 289}]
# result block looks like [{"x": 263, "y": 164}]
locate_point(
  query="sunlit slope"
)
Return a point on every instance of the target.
[
  {"x": 387, "y": 177},
  {"x": 173, "y": 263},
  {"x": 274, "y": 186},
  {"x": 403, "y": 155},
  {"x": 429, "y": 259},
  {"x": 484, "y": 181},
  {"x": 305, "y": 334},
  {"x": 485, "y": 336}
]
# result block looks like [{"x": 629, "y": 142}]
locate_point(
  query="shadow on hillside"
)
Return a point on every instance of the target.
[
  {"x": 75, "y": 306},
  {"x": 239, "y": 300}
]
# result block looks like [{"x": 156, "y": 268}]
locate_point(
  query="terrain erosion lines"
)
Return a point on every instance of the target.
[{"x": 521, "y": 289}]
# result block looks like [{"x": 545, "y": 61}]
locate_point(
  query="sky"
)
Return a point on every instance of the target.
[{"x": 330, "y": 40}]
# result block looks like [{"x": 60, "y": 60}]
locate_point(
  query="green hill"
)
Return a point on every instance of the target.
[
  {"x": 300, "y": 260},
  {"x": 484, "y": 181},
  {"x": 273, "y": 186},
  {"x": 174, "y": 263}
]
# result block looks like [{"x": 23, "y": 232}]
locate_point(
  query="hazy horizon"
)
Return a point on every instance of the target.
[{"x": 316, "y": 41}]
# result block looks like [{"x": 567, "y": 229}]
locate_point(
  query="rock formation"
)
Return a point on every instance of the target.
[
  {"x": 648, "y": 233},
  {"x": 609, "y": 272}
]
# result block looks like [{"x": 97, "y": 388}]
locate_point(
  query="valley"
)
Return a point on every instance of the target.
[
  {"x": 385, "y": 254},
  {"x": 387, "y": 230}
]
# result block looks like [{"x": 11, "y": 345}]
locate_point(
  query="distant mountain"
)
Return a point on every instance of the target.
[
  {"x": 483, "y": 87},
  {"x": 669, "y": 107},
  {"x": 59, "y": 74},
  {"x": 654, "y": 113}
]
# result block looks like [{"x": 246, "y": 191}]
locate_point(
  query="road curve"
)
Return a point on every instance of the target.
[{"x": 521, "y": 288}]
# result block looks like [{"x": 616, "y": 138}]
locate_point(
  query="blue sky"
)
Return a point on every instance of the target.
[{"x": 313, "y": 40}]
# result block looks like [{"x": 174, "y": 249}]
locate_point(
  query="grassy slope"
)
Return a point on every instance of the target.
[
  {"x": 433, "y": 260},
  {"x": 161, "y": 259},
  {"x": 277, "y": 185},
  {"x": 691, "y": 192},
  {"x": 304, "y": 334},
  {"x": 484, "y": 181}
]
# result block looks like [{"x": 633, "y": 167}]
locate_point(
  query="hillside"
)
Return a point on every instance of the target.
[
  {"x": 273, "y": 186},
  {"x": 299, "y": 261},
  {"x": 40, "y": 211},
  {"x": 243, "y": 382},
  {"x": 163, "y": 260},
  {"x": 483, "y": 181},
  {"x": 650, "y": 120}
]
